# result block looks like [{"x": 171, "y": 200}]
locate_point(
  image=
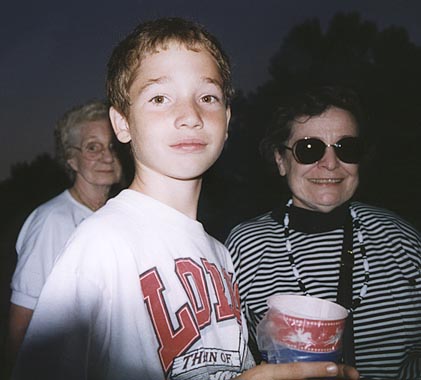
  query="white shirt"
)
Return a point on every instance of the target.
[
  {"x": 141, "y": 292},
  {"x": 40, "y": 240}
]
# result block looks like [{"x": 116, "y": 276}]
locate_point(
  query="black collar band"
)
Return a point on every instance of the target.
[{"x": 313, "y": 221}]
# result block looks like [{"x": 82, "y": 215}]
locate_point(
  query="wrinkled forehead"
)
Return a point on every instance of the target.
[
  {"x": 331, "y": 120},
  {"x": 90, "y": 128}
]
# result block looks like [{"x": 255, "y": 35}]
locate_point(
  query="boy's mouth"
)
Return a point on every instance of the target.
[{"x": 189, "y": 145}]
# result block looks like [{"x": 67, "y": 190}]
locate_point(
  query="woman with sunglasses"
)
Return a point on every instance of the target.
[
  {"x": 85, "y": 147},
  {"x": 322, "y": 243}
]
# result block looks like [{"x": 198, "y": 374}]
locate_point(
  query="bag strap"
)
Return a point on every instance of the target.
[{"x": 344, "y": 296}]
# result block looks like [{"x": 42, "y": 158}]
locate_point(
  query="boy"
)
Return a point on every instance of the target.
[{"x": 141, "y": 291}]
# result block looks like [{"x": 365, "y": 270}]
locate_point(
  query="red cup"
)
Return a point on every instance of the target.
[{"x": 308, "y": 325}]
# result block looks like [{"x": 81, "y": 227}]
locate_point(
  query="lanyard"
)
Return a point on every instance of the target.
[{"x": 344, "y": 297}]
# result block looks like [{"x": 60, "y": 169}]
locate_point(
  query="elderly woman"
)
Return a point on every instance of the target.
[
  {"x": 321, "y": 243},
  {"x": 85, "y": 145}
]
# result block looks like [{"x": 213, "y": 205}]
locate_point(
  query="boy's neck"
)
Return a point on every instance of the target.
[{"x": 182, "y": 195}]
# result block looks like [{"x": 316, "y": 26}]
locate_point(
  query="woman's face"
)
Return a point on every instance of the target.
[
  {"x": 96, "y": 169},
  {"x": 329, "y": 182}
]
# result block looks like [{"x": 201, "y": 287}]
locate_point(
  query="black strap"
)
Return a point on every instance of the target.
[{"x": 344, "y": 297}]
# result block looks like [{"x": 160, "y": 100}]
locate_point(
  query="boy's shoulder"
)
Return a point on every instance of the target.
[
  {"x": 102, "y": 240},
  {"x": 118, "y": 214},
  {"x": 131, "y": 214}
]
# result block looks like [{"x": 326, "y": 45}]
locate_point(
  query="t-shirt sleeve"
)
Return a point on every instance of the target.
[
  {"x": 68, "y": 333},
  {"x": 40, "y": 241}
]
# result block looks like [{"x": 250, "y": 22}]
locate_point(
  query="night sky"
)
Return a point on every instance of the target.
[{"x": 53, "y": 53}]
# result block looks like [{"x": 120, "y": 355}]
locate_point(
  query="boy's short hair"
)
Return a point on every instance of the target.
[{"x": 147, "y": 38}]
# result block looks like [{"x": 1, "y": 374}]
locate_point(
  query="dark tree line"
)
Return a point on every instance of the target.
[{"x": 384, "y": 67}]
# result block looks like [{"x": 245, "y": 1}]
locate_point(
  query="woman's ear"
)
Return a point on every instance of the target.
[
  {"x": 120, "y": 126},
  {"x": 72, "y": 162},
  {"x": 280, "y": 163}
]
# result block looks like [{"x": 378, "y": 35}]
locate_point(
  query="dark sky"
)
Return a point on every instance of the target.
[{"x": 53, "y": 53}]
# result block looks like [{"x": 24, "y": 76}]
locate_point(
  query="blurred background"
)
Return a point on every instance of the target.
[{"x": 54, "y": 54}]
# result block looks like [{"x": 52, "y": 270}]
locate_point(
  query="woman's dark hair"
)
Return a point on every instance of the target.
[{"x": 308, "y": 103}]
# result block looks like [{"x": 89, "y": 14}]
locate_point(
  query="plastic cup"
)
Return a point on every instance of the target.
[{"x": 301, "y": 328}]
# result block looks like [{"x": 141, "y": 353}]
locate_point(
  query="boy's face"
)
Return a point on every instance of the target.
[{"x": 178, "y": 120}]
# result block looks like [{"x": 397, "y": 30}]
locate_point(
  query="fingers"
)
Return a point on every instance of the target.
[
  {"x": 292, "y": 371},
  {"x": 302, "y": 370},
  {"x": 348, "y": 372}
]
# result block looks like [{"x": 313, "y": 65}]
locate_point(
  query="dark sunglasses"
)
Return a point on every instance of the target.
[{"x": 310, "y": 150}]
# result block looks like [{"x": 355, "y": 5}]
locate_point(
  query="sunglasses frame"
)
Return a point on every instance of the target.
[{"x": 336, "y": 146}]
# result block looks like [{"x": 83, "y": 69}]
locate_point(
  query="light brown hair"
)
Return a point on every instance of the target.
[{"x": 148, "y": 38}]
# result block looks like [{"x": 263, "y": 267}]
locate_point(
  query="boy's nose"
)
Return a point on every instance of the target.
[{"x": 189, "y": 116}]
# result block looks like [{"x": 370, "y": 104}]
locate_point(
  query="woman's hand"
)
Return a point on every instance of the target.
[{"x": 300, "y": 371}]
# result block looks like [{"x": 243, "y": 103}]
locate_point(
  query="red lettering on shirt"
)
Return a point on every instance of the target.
[
  {"x": 193, "y": 279},
  {"x": 172, "y": 342},
  {"x": 223, "y": 309},
  {"x": 235, "y": 296},
  {"x": 177, "y": 335}
]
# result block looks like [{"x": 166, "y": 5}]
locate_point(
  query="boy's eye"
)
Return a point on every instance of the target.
[
  {"x": 159, "y": 99},
  {"x": 209, "y": 99}
]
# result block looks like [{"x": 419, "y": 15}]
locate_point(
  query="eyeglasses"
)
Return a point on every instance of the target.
[
  {"x": 310, "y": 150},
  {"x": 95, "y": 150}
]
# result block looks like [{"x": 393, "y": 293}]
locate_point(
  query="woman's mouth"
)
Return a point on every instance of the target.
[{"x": 325, "y": 181}]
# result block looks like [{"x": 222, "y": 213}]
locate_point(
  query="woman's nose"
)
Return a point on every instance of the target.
[
  {"x": 329, "y": 160},
  {"x": 109, "y": 154}
]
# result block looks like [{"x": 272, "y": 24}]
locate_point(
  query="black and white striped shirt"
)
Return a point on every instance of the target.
[{"x": 387, "y": 323}]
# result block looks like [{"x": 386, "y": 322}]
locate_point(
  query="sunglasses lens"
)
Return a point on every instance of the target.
[
  {"x": 349, "y": 150},
  {"x": 308, "y": 151}
]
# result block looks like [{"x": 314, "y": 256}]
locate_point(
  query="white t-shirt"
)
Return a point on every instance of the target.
[
  {"x": 41, "y": 239},
  {"x": 140, "y": 292}
]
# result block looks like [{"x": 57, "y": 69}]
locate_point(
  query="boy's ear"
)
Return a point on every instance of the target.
[
  {"x": 228, "y": 114},
  {"x": 120, "y": 126}
]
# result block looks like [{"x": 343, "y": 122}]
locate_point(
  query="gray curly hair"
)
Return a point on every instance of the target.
[{"x": 67, "y": 130}]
